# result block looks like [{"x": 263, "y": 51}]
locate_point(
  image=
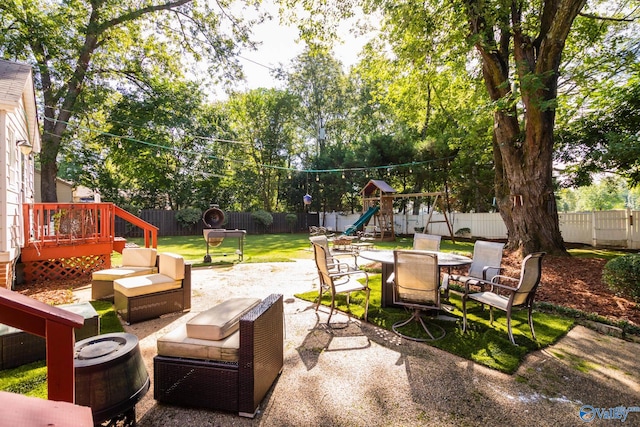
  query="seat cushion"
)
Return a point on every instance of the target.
[
  {"x": 111, "y": 274},
  {"x": 177, "y": 344},
  {"x": 145, "y": 285},
  {"x": 220, "y": 321},
  {"x": 139, "y": 257}
]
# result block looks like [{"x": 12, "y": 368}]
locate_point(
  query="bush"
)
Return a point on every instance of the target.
[
  {"x": 263, "y": 218},
  {"x": 188, "y": 217},
  {"x": 292, "y": 220},
  {"x": 622, "y": 275},
  {"x": 464, "y": 232}
]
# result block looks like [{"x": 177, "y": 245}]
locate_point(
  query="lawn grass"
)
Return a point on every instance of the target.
[
  {"x": 31, "y": 379},
  {"x": 257, "y": 248},
  {"x": 287, "y": 247},
  {"x": 484, "y": 344}
]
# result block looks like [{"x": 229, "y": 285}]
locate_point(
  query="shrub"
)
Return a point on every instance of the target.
[
  {"x": 622, "y": 275},
  {"x": 292, "y": 220},
  {"x": 464, "y": 231},
  {"x": 188, "y": 217},
  {"x": 263, "y": 218}
]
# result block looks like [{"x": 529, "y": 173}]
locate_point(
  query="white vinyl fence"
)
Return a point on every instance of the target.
[{"x": 618, "y": 228}]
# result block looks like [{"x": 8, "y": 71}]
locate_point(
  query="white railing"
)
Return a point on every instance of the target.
[{"x": 619, "y": 228}]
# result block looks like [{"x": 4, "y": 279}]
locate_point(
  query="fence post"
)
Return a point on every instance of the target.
[
  {"x": 594, "y": 234},
  {"x": 629, "y": 226}
]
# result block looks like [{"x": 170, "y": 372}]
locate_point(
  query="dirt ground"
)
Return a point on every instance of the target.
[{"x": 570, "y": 282}]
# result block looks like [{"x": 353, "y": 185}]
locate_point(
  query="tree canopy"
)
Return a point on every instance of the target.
[
  {"x": 481, "y": 99},
  {"x": 83, "y": 51}
]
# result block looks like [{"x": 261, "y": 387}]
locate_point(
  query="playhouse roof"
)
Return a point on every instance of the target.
[{"x": 376, "y": 184}]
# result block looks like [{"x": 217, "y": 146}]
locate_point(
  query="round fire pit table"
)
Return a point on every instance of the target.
[{"x": 110, "y": 376}]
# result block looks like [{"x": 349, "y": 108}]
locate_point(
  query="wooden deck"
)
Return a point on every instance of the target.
[{"x": 70, "y": 240}]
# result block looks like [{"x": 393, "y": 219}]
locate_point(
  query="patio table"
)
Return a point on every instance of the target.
[{"x": 385, "y": 257}]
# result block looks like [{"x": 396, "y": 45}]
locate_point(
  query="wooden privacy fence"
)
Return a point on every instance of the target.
[
  {"x": 617, "y": 228},
  {"x": 167, "y": 224}
]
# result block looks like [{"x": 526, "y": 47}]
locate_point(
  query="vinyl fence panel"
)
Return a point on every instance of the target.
[{"x": 577, "y": 227}]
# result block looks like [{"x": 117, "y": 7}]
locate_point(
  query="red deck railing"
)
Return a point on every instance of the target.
[
  {"x": 56, "y": 326},
  {"x": 55, "y": 225}
]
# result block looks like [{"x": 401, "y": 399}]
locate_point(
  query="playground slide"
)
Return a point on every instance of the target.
[{"x": 362, "y": 220}]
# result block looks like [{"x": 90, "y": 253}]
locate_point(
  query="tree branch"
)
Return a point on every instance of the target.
[
  {"x": 609, "y": 18},
  {"x": 135, "y": 14}
]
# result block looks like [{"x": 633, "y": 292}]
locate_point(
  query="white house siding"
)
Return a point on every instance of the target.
[
  {"x": 18, "y": 121},
  {"x": 18, "y": 183}
]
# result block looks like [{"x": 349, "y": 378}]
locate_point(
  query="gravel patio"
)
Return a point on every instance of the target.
[{"x": 361, "y": 375}]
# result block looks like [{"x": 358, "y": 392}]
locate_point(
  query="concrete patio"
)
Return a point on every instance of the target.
[{"x": 361, "y": 375}]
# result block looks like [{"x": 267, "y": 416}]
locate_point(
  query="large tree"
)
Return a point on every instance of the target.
[
  {"x": 80, "y": 47},
  {"x": 519, "y": 46},
  {"x": 262, "y": 123}
]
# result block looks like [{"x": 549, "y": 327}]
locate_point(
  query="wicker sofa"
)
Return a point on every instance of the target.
[
  {"x": 149, "y": 296},
  {"x": 135, "y": 262},
  {"x": 187, "y": 373}
]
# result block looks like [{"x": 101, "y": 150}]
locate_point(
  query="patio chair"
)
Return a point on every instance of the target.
[
  {"x": 487, "y": 263},
  {"x": 333, "y": 262},
  {"x": 426, "y": 242},
  {"x": 330, "y": 280},
  {"x": 519, "y": 296},
  {"x": 416, "y": 286},
  {"x": 145, "y": 297},
  {"x": 135, "y": 262}
]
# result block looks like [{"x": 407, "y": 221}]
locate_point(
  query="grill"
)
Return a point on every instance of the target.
[{"x": 214, "y": 218}]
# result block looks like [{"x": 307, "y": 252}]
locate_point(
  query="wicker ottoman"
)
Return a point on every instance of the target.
[{"x": 232, "y": 385}]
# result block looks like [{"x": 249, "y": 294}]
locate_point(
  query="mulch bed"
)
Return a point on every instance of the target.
[{"x": 575, "y": 282}]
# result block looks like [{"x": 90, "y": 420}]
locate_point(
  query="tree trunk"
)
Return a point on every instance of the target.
[
  {"x": 49, "y": 166},
  {"x": 523, "y": 154}
]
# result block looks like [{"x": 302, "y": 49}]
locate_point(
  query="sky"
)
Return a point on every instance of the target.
[{"x": 279, "y": 46}]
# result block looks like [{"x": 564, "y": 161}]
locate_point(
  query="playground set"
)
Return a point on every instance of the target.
[{"x": 377, "y": 205}]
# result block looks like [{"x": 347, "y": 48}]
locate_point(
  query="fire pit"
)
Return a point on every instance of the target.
[{"x": 110, "y": 377}]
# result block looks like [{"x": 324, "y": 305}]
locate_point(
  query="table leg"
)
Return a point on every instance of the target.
[{"x": 387, "y": 288}]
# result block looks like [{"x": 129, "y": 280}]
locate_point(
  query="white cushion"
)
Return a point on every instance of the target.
[
  {"x": 112, "y": 274},
  {"x": 144, "y": 285},
  {"x": 177, "y": 344},
  {"x": 220, "y": 321},
  {"x": 139, "y": 257},
  {"x": 171, "y": 265}
]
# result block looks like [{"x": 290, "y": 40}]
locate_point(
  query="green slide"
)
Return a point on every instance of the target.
[{"x": 362, "y": 220}]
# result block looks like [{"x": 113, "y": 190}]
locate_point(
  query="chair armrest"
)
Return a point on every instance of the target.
[
  {"x": 491, "y": 283},
  {"x": 502, "y": 286},
  {"x": 186, "y": 287},
  {"x": 487, "y": 268},
  {"x": 341, "y": 265},
  {"x": 444, "y": 284},
  {"x": 346, "y": 253},
  {"x": 392, "y": 277},
  {"x": 261, "y": 353},
  {"x": 349, "y": 273}
]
